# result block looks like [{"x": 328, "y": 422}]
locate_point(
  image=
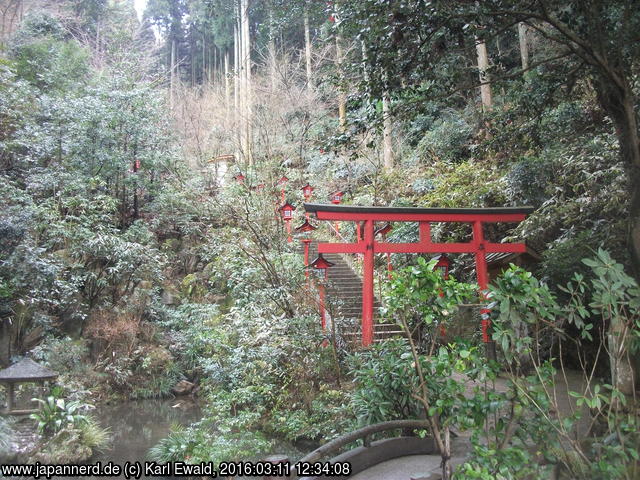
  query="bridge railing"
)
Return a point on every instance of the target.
[{"x": 365, "y": 434}]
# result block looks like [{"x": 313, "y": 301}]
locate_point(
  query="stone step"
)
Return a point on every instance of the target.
[{"x": 344, "y": 293}]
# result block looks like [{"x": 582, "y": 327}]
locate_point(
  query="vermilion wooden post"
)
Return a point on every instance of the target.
[
  {"x": 482, "y": 276},
  {"x": 323, "y": 313},
  {"x": 367, "y": 285},
  {"x": 320, "y": 263},
  {"x": 307, "y": 191},
  {"x": 306, "y": 242},
  {"x": 336, "y": 198}
]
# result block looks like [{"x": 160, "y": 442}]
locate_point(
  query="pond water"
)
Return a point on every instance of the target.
[{"x": 137, "y": 426}]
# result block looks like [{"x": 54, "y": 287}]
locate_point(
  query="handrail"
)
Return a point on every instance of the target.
[
  {"x": 339, "y": 235},
  {"x": 364, "y": 433},
  {"x": 337, "y": 232}
]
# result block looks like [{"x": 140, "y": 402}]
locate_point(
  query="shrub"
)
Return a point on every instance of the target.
[
  {"x": 447, "y": 140},
  {"x": 55, "y": 414},
  {"x": 385, "y": 380}
]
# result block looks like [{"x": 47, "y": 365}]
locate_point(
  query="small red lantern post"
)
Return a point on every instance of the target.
[
  {"x": 305, "y": 229},
  {"x": 286, "y": 211},
  {"x": 443, "y": 265},
  {"x": 336, "y": 198},
  {"x": 282, "y": 182},
  {"x": 307, "y": 191},
  {"x": 383, "y": 232},
  {"x": 321, "y": 263}
]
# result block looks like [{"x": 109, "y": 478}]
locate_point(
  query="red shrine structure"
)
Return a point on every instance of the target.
[{"x": 368, "y": 246}]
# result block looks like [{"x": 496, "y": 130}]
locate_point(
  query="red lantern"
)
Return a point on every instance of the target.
[
  {"x": 305, "y": 227},
  {"x": 286, "y": 211},
  {"x": 321, "y": 263},
  {"x": 336, "y": 197},
  {"x": 307, "y": 190},
  {"x": 443, "y": 265}
]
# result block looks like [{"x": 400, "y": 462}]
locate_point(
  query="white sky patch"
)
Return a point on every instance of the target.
[{"x": 140, "y": 5}]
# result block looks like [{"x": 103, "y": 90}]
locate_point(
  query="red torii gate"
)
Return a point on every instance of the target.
[{"x": 368, "y": 246}]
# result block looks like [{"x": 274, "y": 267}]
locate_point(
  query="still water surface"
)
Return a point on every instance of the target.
[{"x": 137, "y": 426}]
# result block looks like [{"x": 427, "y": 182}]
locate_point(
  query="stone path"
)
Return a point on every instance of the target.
[{"x": 404, "y": 468}]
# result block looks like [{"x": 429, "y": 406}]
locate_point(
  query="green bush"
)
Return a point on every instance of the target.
[
  {"x": 447, "y": 140},
  {"x": 385, "y": 381},
  {"x": 55, "y": 414}
]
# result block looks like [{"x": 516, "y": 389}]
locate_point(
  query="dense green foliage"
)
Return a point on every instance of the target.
[{"x": 505, "y": 423}]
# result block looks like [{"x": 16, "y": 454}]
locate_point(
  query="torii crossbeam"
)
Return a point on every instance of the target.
[{"x": 368, "y": 246}]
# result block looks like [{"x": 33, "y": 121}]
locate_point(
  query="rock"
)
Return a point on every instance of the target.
[
  {"x": 168, "y": 298},
  {"x": 66, "y": 446},
  {"x": 183, "y": 387}
]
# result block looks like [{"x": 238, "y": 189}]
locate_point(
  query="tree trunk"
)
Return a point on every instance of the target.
[
  {"x": 446, "y": 454},
  {"x": 246, "y": 53},
  {"x": 483, "y": 67},
  {"x": 236, "y": 90},
  {"x": 524, "y": 45},
  {"x": 342, "y": 100},
  {"x": 204, "y": 60},
  {"x": 619, "y": 103},
  {"x": 5, "y": 342},
  {"x": 192, "y": 55},
  {"x": 387, "y": 133},
  {"x": 214, "y": 68},
  {"x": 172, "y": 75},
  {"x": 272, "y": 50},
  {"x": 307, "y": 48},
  {"x": 227, "y": 85}
]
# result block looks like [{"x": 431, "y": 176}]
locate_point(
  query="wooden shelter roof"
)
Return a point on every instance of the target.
[
  {"x": 505, "y": 257},
  {"x": 26, "y": 370}
]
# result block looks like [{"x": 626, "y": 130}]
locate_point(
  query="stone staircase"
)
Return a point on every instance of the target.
[{"x": 344, "y": 301}]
